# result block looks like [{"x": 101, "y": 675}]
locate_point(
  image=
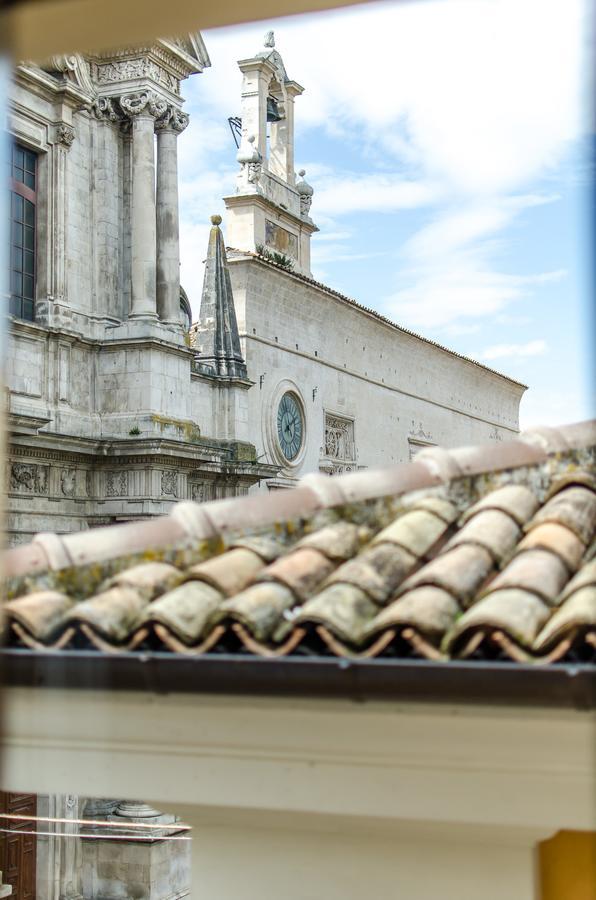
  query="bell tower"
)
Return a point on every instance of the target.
[{"x": 270, "y": 208}]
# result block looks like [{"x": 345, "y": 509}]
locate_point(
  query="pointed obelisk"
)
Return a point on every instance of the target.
[{"x": 217, "y": 340}]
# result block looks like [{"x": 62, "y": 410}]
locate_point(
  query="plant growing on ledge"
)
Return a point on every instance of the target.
[
  {"x": 280, "y": 259},
  {"x": 134, "y": 431}
]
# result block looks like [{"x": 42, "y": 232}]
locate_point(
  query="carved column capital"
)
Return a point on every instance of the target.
[
  {"x": 144, "y": 103},
  {"x": 173, "y": 119},
  {"x": 105, "y": 110},
  {"x": 65, "y": 135}
]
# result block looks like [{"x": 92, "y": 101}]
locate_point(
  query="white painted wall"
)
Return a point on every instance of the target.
[{"x": 318, "y": 798}]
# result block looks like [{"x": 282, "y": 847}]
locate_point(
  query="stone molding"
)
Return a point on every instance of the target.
[{"x": 65, "y": 135}]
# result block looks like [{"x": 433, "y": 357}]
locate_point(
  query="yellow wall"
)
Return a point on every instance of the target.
[{"x": 568, "y": 866}]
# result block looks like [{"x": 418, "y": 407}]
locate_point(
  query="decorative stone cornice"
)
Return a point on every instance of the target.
[{"x": 144, "y": 103}]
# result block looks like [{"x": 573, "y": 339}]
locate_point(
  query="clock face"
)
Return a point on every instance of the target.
[{"x": 290, "y": 426}]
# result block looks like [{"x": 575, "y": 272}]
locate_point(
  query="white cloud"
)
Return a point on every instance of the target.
[
  {"x": 376, "y": 192},
  {"x": 441, "y": 297},
  {"x": 504, "y": 351},
  {"x": 460, "y": 107},
  {"x": 480, "y": 93}
]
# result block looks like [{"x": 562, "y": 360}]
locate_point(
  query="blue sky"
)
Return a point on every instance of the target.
[{"x": 448, "y": 147}]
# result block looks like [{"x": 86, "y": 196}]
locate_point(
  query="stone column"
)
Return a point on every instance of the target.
[
  {"x": 143, "y": 109},
  {"x": 168, "y": 246}
]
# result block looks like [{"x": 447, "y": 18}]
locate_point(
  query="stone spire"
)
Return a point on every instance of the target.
[{"x": 218, "y": 341}]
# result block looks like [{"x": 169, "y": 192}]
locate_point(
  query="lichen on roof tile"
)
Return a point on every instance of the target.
[
  {"x": 378, "y": 570},
  {"x": 429, "y": 609},
  {"x": 259, "y": 608},
  {"x": 520, "y": 614},
  {"x": 557, "y": 539},
  {"x": 228, "y": 573},
  {"x": 515, "y": 499},
  {"x": 343, "y": 608},
  {"x": 461, "y": 571},
  {"x": 338, "y": 541},
  {"x": 539, "y": 571},
  {"x": 417, "y": 532},
  {"x": 114, "y": 613},
  {"x": 301, "y": 571},
  {"x": 492, "y": 529},
  {"x": 400, "y": 563},
  {"x": 41, "y": 613},
  {"x": 185, "y": 610},
  {"x": 148, "y": 579},
  {"x": 574, "y": 507},
  {"x": 577, "y": 612}
]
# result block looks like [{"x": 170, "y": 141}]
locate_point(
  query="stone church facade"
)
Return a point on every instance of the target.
[
  {"x": 361, "y": 391},
  {"x": 119, "y": 408},
  {"x": 110, "y": 418}
]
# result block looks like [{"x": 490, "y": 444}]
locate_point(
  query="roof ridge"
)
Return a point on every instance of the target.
[
  {"x": 373, "y": 312},
  {"x": 189, "y": 520}
]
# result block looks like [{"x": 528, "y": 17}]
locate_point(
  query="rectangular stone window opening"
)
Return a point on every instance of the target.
[{"x": 23, "y": 199}]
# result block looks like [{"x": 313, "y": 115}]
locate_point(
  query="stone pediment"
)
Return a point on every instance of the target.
[{"x": 193, "y": 47}]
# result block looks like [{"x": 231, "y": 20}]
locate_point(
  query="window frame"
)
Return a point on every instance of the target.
[{"x": 29, "y": 194}]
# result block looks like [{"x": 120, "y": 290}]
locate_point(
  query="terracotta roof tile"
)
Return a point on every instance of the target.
[
  {"x": 430, "y": 610},
  {"x": 228, "y": 573},
  {"x": 302, "y": 571},
  {"x": 40, "y": 614},
  {"x": 461, "y": 571},
  {"x": 184, "y": 611},
  {"x": 515, "y": 499},
  {"x": 378, "y": 570},
  {"x": 574, "y": 507},
  {"x": 259, "y": 608},
  {"x": 578, "y": 613},
  {"x": 538, "y": 571},
  {"x": 417, "y": 532},
  {"x": 343, "y": 608},
  {"x": 558, "y": 539},
  {"x": 492, "y": 529},
  {"x": 111, "y": 614},
  {"x": 408, "y": 562}
]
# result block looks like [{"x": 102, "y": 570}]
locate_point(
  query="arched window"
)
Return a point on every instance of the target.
[{"x": 185, "y": 310}]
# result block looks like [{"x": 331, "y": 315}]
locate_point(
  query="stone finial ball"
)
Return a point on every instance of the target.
[
  {"x": 302, "y": 173},
  {"x": 216, "y": 220}
]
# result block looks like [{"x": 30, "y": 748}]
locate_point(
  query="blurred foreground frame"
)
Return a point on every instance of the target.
[{"x": 38, "y": 29}]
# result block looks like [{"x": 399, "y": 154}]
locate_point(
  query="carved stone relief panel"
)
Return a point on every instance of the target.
[
  {"x": 339, "y": 437},
  {"x": 68, "y": 479},
  {"x": 29, "y": 478},
  {"x": 127, "y": 69},
  {"x": 116, "y": 484},
  {"x": 169, "y": 483}
]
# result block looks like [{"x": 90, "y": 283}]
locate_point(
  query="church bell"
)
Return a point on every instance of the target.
[{"x": 273, "y": 114}]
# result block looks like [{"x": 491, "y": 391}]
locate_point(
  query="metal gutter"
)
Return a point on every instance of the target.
[{"x": 505, "y": 684}]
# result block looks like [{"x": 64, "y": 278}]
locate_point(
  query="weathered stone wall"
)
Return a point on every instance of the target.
[{"x": 400, "y": 391}]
